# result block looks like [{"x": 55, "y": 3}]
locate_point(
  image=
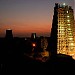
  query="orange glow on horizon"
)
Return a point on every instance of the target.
[{"x": 26, "y": 29}]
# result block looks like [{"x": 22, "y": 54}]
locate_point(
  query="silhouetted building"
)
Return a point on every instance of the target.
[
  {"x": 9, "y": 34},
  {"x": 53, "y": 37},
  {"x": 33, "y": 36}
]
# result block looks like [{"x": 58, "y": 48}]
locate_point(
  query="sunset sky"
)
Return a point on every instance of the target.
[{"x": 28, "y": 16}]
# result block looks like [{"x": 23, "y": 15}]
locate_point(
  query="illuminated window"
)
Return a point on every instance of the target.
[
  {"x": 71, "y": 38},
  {"x": 68, "y": 24},
  {"x": 62, "y": 22},
  {"x": 70, "y": 34},
  {"x": 62, "y": 29},
  {"x": 68, "y": 16},
  {"x": 67, "y": 11},
  {"x": 69, "y": 28},
  {"x": 71, "y": 44},
  {"x": 68, "y": 20}
]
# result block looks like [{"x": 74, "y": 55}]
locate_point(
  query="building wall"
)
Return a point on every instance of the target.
[{"x": 65, "y": 30}]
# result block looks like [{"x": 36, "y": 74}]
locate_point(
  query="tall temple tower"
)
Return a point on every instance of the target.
[
  {"x": 9, "y": 34},
  {"x": 64, "y": 16},
  {"x": 53, "y": 36}
]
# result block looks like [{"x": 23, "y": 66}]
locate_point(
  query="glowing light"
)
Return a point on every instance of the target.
[
  {"x": 67, "y": 11},
  {"x": 68, "y": 16},
  {"x": 63, "y": 53},
  {"x": 62, "y": 29},
  {"x": 33, "y": 44},
  {"x": 69, "y": 24},
  {"x": 71, "y": 44},
  {"x": 34, "y": 36},
  {"x": 45, "y": 54},
  {"x": 64, "y": 4},
  {"x": 9, "y": 29},
  {"x": 61, "y": 22},
  {"x": 69, "y": 28},
  {"x": 68, "y": 20},
  {"x": 70, "y": 38},
  {"x": 70, "y": 34}
]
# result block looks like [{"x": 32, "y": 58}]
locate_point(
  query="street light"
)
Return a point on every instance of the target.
[{"x": 33, "y": 44}]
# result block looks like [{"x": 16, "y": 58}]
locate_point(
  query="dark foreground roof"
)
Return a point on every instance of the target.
[{"x": 30, "y": 66}]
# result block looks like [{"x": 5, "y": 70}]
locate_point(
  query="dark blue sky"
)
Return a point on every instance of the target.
[{"x": 27, "y": 16}]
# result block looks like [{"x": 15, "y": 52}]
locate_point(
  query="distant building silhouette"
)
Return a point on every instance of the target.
[
  {"x": 33, "y": 36},
  {"x": 62, "y": 37},
  {"x": 9, "y": 34}
]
